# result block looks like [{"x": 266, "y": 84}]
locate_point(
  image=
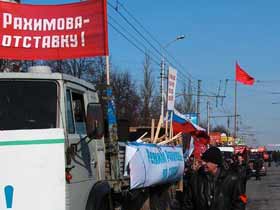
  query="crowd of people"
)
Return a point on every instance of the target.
[{"x": 214, "y": 182}]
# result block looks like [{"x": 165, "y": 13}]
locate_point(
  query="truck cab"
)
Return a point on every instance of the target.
[{"x": 40, "y": 99}]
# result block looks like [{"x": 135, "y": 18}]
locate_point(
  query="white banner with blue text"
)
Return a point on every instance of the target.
[{"x": 151, "y": 164}]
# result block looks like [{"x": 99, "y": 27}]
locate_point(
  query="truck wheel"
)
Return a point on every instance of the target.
[{"x": 100, "y": 197}]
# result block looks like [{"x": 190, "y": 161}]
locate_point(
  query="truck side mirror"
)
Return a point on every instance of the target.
[{"x": 94, "y": 121}]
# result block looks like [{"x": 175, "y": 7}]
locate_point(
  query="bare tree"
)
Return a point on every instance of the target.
[
  {"x": 89, "y": 69},
  {"x": 97, "y": 75},
  {"x": 156, "y": 106},
  {"x": 126, "y": 97},
  {"x": 14, "y": 65},
  {"x": 97, "y": 71},
  {"x": 76, "y": 67},
  {"x": 186, "y": 103},
  {"x": 147, "y": 91},
  {"x": 3, "y": 64}
]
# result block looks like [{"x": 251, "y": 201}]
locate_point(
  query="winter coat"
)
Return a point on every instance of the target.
[
  {"x": 243, "y": 170},
  {"x": 205, "y": 192},
  {"x": 258, "y": 163}
]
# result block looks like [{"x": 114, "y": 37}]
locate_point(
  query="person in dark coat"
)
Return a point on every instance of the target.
[
  {"x": 242, "y": 169},
  {"x": 214, "y": 188},
  {"x": 257, "y": 166}
]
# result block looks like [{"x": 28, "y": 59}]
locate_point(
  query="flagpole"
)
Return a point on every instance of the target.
[
  {"x": 235, "y": 110},
  {"x": 244, "y": 78}
]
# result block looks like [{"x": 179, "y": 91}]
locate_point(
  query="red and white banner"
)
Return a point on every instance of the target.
[
  {"x": 172, "y": 78},
  {"x": 30, "y": 32}
]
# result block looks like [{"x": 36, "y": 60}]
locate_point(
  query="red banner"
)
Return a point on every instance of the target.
[
  {"x": 30, "y": 32},
  {"x": 199, "y": 149}
]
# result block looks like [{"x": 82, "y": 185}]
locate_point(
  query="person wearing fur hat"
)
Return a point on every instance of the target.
[{"x": 214, "y": 188}]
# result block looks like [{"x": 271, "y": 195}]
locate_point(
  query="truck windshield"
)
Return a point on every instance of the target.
[{"x": 27, "y": 105}]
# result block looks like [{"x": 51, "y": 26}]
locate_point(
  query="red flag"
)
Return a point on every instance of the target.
[{"x": 242, "y": 76}]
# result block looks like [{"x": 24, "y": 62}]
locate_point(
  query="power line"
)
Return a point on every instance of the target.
[
  {"x": 162, "y": 47},
  {"x": 152, "y": 37},
  {"x": 131, "y": 42},
  {"x": 134, "y": 38},
  {"x": 143, "y": 37},
  {"x": 180, "y": 79},
  {"x": 130, "y": 34},
  {"x": 138, "y": 32},
  {"x": 268, "y": 81}
]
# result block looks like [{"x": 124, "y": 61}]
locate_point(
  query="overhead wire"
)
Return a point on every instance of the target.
[
  {"x": 138, "y": 32},
  {"x": 155, "y": 39},
  {"x": 130, "y": 34},
  {"x": 180, "y": 79},
  {"x": 151, "y": 36},
  {"x": 133, "y": 43},
  {"x": 144, "y": 38},
  {"x": 130, "y": 41}
]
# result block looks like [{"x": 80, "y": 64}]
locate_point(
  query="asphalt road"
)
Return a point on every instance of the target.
[{"x": 265, "y": 194}]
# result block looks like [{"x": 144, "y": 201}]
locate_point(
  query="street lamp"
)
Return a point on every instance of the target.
[
  {"x": 176, "y": 39},
  {"x": 162, "y": 72}
]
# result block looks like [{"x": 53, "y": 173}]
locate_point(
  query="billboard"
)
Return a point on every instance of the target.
[{"x": 172, "y": 78}]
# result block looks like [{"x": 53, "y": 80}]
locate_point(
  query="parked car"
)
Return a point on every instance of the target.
[{"x": 253, "y": 164}]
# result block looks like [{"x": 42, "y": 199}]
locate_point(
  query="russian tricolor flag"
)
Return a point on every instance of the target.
[{"x": 181, "y": 123}]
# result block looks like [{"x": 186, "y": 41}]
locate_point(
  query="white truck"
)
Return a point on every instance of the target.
[
  {"x": 40, "y": 99},
  {"x": 41, "y": 102}
]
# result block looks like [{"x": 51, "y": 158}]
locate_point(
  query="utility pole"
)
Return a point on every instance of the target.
[
  {"x": 218, "y": 93},
  {"x": 228, "y": 122},
  {"x": 198, "y": 95},
  {"x": 162, "y": 76},
  {"x": 235, "y": 111},
  {"x": 225, "y": 90},
  {"x": 225, "y": 116},
  {"x": 112, "y": 126},
  {"x": 198, "y": 101},
  {"x": 208, "y": 117}
]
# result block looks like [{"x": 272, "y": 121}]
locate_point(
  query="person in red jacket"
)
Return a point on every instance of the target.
[{"x": 212, "y": 187}]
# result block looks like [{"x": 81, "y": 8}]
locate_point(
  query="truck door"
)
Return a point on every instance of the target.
[{"x": 83, "y": 159}]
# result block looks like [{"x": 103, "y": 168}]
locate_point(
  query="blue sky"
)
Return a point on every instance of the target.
[{"x": 218, "y": 33}]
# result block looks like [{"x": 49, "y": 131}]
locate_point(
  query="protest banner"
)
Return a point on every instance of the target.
[{"x": 30, "y": 32}]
